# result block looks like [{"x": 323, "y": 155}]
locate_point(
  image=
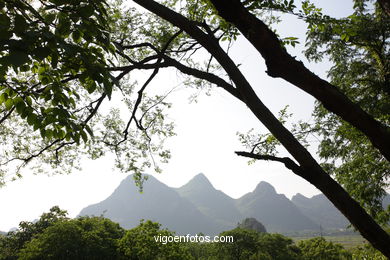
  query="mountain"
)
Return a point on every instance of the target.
[
  {"x": 158, "y": 202},
  {"x": 275, "y": 211},
  {"x": 320, "y": 210},
  {"x": 199, "y": 207},
  {"x": 211, "y": 202}
]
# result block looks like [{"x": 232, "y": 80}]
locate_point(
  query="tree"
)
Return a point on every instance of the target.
[
  {"x": 319, "y": 248},
  {"x": 243, "y": 247},
  {"x": 156, "y": 44},
  {"x": 364, "y": 77},
  {"x": 204, "y": 251},
  {"x": 54, "y": 77},
  {"x": 277, "y": 246},
  {"x": 367, "y": 252},
  {"x": 249, "y": 244},
  {"x": 81, "y": 238},
  {"x": 14, "y": 241},
  {"x": 281, "y": 64},
  {"x": 140, "y": 243}
]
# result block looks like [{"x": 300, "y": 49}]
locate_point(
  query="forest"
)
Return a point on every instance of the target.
[
  {"x": 55, "y": 236},
  {"x": 61, "y": 60}
]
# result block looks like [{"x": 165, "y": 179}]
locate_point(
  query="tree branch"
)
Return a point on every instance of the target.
[
  {"x": 290, "y": 164},
  {"x": 283, "y": 65},
  {"x": 7, "y": 115},
  {"x": 142, "y": 89}
]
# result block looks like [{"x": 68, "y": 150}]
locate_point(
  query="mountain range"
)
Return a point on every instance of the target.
[{"x": 199, "y": 207}]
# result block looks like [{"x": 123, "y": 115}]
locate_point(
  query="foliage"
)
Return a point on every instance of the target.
[
  {"x": 249, "y": 244},
  {"x": 364, "y": 77},
  {"x": 54, "y": 236},
  {"x": 81, "y": 238},
  {"x": 16, "y": 240},
  {"x": 44, "y": 50},
  {"x": 140, "y": 243},
  {"x": 276, "y": 246},
  {"x": 55, "y": 73},
  {"x": 358, "y": 47},
  {"x": 319, "y": 248},
  {"x": 243, "y": 247},
  {"x": 366, "y": 252},
  {"x": 202, "y": 251}
]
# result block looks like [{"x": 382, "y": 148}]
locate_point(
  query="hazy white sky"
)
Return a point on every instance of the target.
[{"x": 205, "y": 143}]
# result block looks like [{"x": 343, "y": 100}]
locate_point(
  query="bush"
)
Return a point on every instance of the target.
[{"x": 319, "y": 249}]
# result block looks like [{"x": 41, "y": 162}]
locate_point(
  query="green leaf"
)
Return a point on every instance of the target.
[
  {"x": 86, "y": 11},
  {"x": 25, "y": 68},
  {"x": 41, "y": 52},
  {"x": 84, "y": 136},
  {"x": 36, "y": 125},
  {"x": 43, "y": 132},
  {"x": 76, "y": 36},
  {"x": 4, "y": 22},
  {"x": 49, "y": 18},
  {"x": 31, "y": 118},
  {"x": 9, "y": 104},
  {"x": 18, "y": 58},
  {"x": 3, "y": 98},
  {"x": 61, "y": 134},
  {"x": 63, "y": 27},
  {"x": 20, "y": 107},
  {"x": 20, "y": 24},
  {"x": 49, "y": 133},
  {"x": 89, "y": 130},
  {"x": 54, "y": 60},
  {"x": 29, "y": 100}
]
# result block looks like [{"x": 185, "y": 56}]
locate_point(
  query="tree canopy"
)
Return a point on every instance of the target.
[
  {"x": 55, "y": 236},
  {"x": 61, "y": 59}
]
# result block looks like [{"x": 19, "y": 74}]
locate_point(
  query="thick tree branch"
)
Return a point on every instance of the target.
[
  {"x": 212, "y": 78},
  {"x": 283, "y": 65},
  {"x": 169, "y": 62},
  {"x": 290, "y": 164}
]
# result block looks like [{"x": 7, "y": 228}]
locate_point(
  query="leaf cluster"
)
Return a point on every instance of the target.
[{"x": 358, "y": 47}]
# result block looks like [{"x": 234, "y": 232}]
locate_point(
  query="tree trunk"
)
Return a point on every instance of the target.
[
  {"x": 310, "y": 170},
  {"x": 281, "y": 64}
]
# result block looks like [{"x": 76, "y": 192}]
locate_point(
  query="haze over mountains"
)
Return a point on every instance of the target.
[{"x": 199, "y": 207}]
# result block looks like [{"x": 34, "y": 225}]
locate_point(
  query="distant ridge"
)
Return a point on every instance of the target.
[
  {"x": 158, "y": 202},
  {"x": 275, "y": 211},
  {"x": 211, "y": 202},
  {"x": 198, "y": 207},
  {"x": 319, "y": 209}
]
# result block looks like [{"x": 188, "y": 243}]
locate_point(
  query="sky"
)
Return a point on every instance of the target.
[{"x": 205, "y": 142}]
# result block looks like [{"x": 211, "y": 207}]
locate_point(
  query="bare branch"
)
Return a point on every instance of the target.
[
  {"x": 142, "y": 89},
  {"x": 288, "y": 162},
  {"x": 7, "y": 115}
]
